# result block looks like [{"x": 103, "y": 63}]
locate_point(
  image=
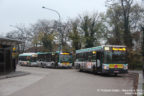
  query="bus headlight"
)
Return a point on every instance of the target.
[
  {"x": 59, "y": 63},
  {"x": 105, "y": 66},
  {"x": 126, "y": 66}
]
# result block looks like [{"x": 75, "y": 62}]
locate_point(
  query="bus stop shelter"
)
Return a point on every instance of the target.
[{"x": 7, "y": 60}]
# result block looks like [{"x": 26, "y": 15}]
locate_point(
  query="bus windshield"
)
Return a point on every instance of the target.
[
  {"x": 24, "y": 58},
  {"x": 65, "y": 58},
  {"x": 114, "y": 57}
]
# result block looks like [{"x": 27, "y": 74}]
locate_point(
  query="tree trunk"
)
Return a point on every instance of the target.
[{"x": 126, "y": 11}]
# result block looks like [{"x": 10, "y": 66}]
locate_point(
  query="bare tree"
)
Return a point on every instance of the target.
[
  {"x": 43, "y": 34},
  {"x": 20, "y": 33}
]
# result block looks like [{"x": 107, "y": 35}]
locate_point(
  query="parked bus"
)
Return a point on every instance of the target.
[
  {"x": 28, "y": 59},
  {"x": 103, "y": 59},
  {"x": 45, "y": 59},
  {"x": 63, "y": 59}
]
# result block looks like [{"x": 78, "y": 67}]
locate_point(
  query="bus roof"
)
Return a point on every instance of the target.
[
  {"x": 44, "y": 53},
  {"x": 89, "y": 49},
  {"x": 98, "y": 48},
  {"x": 27, "y": 54}
]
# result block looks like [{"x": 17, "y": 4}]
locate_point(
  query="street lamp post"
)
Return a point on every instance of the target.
[
  {"x": 60, "y": 49},
  {"x": 53, "y": 11}
]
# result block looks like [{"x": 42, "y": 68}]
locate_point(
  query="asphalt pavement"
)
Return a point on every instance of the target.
[{"x": 65, "y": 82}]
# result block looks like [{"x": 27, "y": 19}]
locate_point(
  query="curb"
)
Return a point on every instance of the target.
[
  {"x": 14, "y": 74},
  {"x": 139, "y": 81}
]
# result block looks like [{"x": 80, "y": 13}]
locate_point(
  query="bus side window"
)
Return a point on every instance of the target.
[
  {"x": 98, "y": 59},
  {"x": 82, "y": 56},
  {"x": 89, "y": 56},
  {"x": 77, "y": 57},
  {"x": 85, "y": 57}
]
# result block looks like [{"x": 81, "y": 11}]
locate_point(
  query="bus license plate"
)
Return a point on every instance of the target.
[{"x": 116, "y": 71}]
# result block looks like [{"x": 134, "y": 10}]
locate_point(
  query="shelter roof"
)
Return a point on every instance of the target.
[{"x": 9, "y": 42}]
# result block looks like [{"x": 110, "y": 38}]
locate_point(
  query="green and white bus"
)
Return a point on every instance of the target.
[
  {"x": 45, "y": 59},
  {"x": 54, "y": 59},
  {"x": 28, "y": 59},
  {"x": 63, "y": 59},
  {"x": 103, "y": 59}
]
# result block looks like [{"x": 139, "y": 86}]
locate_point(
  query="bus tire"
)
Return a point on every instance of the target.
[
  {"x": 42, "y": 65},
  {"x": 53, "y": 65},
  {"x": 80, "y": 70},
  {"x": 115, "y": 74},
  {"x": 29, "y": 65}
]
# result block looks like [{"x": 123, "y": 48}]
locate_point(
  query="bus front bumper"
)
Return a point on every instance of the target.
[
  {"x": 64, "y": 65},
  {"x": 113, "y": 71}
]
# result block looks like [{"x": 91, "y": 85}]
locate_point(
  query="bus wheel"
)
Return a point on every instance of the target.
[
  {"x": 42, "y": 65},
  {"x": 115, "y": 74},
  {"x": 53, "y": 65},
  {"x": 29, "y": 65},
  {"x": 80, "y": 70}
]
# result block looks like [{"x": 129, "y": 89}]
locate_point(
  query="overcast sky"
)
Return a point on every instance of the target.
[{"x": 15, "y": 12}]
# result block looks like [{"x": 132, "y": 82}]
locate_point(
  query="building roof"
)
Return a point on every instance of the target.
[{"x": 8, "y": 41}]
